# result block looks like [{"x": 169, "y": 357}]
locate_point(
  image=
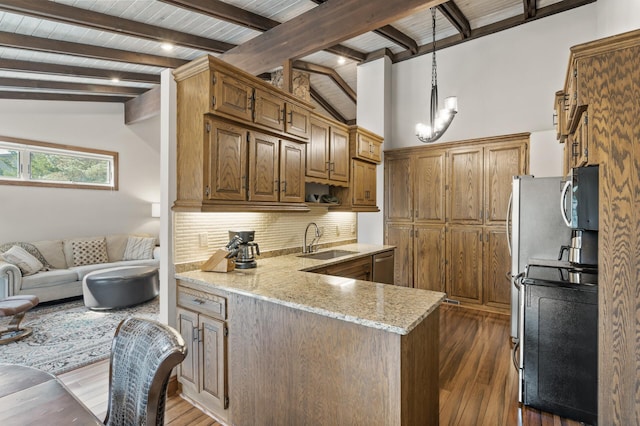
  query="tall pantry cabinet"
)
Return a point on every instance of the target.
[{"x": 445, "y": 210}]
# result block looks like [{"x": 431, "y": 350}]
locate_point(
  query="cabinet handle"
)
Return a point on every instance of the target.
[
  {"x": 481, "y": 212},
  {"x": 195, "y": 332},
  {"x": 207, "y": 191},
  {"x": 277, "y": 185},
  {"x": 574, "y": 151},
  {"x": 283, "y": 116},
  {"x": 332, "y": 167},
  {"x": 213, "y": 101},
  {"x": 554, "y": 120},
  {"x": 284, "y": 186},
  {"x": 328, "y": 164},
  {"x": 290, "y": 117},
  {"x": 370, "y": 148}
]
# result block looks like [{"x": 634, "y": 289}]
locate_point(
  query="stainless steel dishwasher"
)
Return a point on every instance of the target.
[{"x": 383, "y": 267}]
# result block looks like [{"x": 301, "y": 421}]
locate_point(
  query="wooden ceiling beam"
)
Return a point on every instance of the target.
[
  {"x": 142, "y": 107},
  {"x": 326, "y": 105},
  {"x": 392, "y": 34},
  {"x": 451, "y": 11},
  {"x": 227, "y": 12},
  {"x": 505, "y": 24},
  {"x": 75, "y": 87},
  {"x": 77, "y": 16},
  {"x": 47, "y": 96},
  {"x": 396, "y": 36},
  {"x": 329, "y": 72},
  {"x": 19, "y": 41},
  {"x": 76, "y": 71},
  {"x": 333, "y": 22},
  {"x": 529, "y": 8}
]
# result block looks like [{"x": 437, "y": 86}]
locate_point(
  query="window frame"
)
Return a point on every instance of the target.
[{"x": 24, "y": 146}]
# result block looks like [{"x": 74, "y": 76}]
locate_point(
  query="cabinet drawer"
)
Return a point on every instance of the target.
[{"x": 212, "y": 305}]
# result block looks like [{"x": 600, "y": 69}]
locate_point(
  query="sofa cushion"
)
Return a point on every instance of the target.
[
  {"x": 27, "y": 263},
  {"x": 139, "y": 248},
  {"x": 48, "y": 279},
  {"x": 67, "y": 248},
  {"x": 52, "y": 252},
  {"x": 116, "y": 245},
  {"x": 89, "y": 252}
]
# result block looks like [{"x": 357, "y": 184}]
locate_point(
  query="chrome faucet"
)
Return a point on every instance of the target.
[{"x": 309, "y": 248}]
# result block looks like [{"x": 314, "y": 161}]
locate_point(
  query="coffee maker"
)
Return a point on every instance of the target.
[{"x": 246, "y": 250}]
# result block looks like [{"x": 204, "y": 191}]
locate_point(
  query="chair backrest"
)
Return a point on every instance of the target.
[{"x": 143, "y": 353}]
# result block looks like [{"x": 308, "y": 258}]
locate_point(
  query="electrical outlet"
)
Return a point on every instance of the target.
[
  {"x": 353, "y": 228},
  {"x": 204, "y": 239}
]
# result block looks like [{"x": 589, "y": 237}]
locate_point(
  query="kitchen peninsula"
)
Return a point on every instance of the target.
[{"x": 307, "y": 348}]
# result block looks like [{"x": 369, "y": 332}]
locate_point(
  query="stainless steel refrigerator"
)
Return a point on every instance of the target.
[{"x": 536, "y": 229}]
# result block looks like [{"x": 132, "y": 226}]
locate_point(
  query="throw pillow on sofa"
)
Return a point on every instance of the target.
[
  {"x": 31, "y": 249},
  {"x": 139, "y": 248},
  {"x": 27, "y": 263},
  {"x": 89, "y": 252}
]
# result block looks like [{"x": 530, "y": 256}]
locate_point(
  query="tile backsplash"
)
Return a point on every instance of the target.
[{"x": 198, "y": 235}]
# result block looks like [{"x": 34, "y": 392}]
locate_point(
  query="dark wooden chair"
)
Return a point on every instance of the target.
[
  {"x": 143, "y": 353},
  {"x": 16, "y": 307}
]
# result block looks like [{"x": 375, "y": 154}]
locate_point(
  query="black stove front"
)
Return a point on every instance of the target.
[{"x": 559, "y": 345}]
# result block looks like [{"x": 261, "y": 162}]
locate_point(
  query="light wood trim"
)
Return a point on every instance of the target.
[{"x": 112, "y": 154}]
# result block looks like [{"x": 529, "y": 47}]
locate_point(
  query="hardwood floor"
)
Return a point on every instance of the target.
[{"x": 478, "y": 383}]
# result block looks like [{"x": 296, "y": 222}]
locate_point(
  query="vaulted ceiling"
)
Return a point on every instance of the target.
[{"x": 114, "y": 50}]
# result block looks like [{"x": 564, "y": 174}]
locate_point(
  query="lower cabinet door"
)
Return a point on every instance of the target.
[
  {"x": 497, "y": 287},
  {"x": 188, "y": 369},
  {"x": 212, "y": 354},
  {"x": 464, "y": 274},
  {"x": 401, "y": 236},
  {"x": 430, "y": 257}
]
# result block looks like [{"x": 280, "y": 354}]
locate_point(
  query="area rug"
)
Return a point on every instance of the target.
[{"x": 69, "y": 335}]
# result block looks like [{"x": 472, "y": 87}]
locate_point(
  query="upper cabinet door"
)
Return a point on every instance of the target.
[
  {"x": 318, "y": 150},
  {"x": 225, "y": 164},
  {"x": 297, "y": 121},
  {"x": 429, "y": 186},
  {"x": 398, "y": 192},
  {"x": 263, "y": 167},
  {"x": 465, "y": 185},
  {"x": 291, "y": 172},
  {"x": 269, "y": 110},
  {"x": 232, "y": 96},
  {"x": 339, "y": 155},
  {"x": 502, "y": 162}
]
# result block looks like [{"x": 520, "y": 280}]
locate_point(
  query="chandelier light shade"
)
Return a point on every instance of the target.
[{"x": 439, "y": 119}]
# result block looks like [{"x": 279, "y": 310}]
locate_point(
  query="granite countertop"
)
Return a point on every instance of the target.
[{"x": 283, "y": 280}]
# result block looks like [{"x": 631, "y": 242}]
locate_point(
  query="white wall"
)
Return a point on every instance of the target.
[
  {"x": 505, "y": 82},
  {"x": 33, "y": 213},
  {"x": 374, "y": 96},
  {"x": 617, "y": 16}
]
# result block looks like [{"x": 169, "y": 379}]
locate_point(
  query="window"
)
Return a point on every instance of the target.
[{"x": 32, "y": 163}]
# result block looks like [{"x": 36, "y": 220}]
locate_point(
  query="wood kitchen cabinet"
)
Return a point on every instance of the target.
[
  {"x": 327, "y": 152},
  {"x": 203, "y": 373},
  {"x": 253, "y": 154},
  {"x": 249, "y": 166},
  {"x": 444, "y": 208},
  {"x": 365, "y": 152},
  {"x": 358, "y": 269}
]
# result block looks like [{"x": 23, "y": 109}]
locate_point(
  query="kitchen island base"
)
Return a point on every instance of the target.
[{"x": 295, "y": 367}]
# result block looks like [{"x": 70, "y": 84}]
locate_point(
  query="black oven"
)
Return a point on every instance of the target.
[{"x": 558, "y": 363}]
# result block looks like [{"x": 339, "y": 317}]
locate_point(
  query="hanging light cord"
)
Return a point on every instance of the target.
[{"x": 434, "y": 71}]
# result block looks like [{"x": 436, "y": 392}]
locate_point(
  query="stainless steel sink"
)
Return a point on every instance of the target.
[{"x": 329, "y": 254}]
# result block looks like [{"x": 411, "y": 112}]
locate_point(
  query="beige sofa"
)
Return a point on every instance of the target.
[{"x": 64, "y": 278}]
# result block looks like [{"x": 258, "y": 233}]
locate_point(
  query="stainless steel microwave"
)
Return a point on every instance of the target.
[{"x": 579, "y": 202}]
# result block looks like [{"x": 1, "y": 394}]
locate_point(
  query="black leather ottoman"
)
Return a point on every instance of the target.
[{"x": 120, "y": 287}]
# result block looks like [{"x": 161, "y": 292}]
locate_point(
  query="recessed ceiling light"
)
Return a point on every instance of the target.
[
  {"x": 166, "y": 46},
  {"x": 341, "y": 60},
  {"x": 115, "y": 80}
]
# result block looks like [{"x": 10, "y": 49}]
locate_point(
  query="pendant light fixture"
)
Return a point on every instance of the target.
[{"x": 439, "y": 120}]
